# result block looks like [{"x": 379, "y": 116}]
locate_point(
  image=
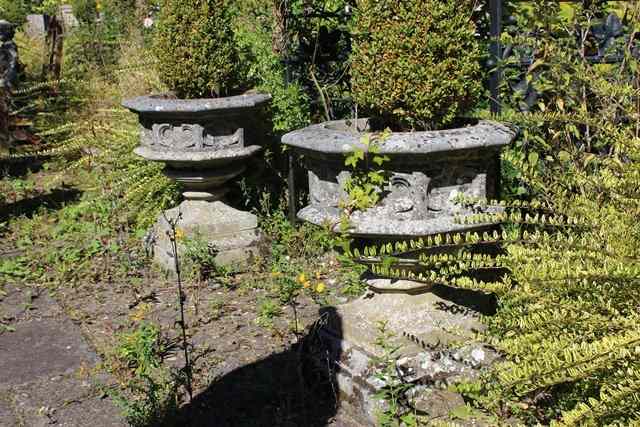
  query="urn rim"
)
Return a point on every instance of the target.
[
  {"x": 336, "y": 137},
  {"x": 194, "y": 157},
  {"x": 162, "y": 104}
]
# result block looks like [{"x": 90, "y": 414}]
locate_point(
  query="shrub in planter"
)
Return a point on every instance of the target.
[
  {"x": 415, "y": 63},
  {"x": 206, "y": 135},
  {"x": 195, "y": 47},
  {"x": 415, "y": 69}
]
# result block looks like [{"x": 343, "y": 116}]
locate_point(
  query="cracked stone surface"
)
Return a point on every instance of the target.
[
  {"x": 435, "y": 333},
  {"x": 44, "y": 361}
]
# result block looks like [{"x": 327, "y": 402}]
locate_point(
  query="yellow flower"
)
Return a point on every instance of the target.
[
  {"x": 318, "y": 275},
  {"x": 320, "y": 287},
  {"x": 306, "y": 284},
  {"x": 179, "y": 234},
  {"x": 302, "y": 278},
  {"x": 140, "y": 313}
]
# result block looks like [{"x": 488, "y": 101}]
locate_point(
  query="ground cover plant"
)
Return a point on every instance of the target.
[{"x": 567, "y": 324}]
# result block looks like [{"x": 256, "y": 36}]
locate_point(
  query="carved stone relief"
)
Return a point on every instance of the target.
[
  {"x": 407, "y": 196},
  {"x": 189, "y": 137}
]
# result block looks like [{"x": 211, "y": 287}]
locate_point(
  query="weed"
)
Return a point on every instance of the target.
[
  {"x": 350, "y": 276},
  {"x": 13, "y": 268},
  {"x": 141, "y": 349},
  {"x": 155, "y": 401},
  {"x": 365, "y": 184},
  {"x": 268, "y": 309},
  {"x": 216, "y": 308},
  {"x": 393, "y": 393},
  {"x": 200, "y": 258},
  {"x": 149, "y": 395}
]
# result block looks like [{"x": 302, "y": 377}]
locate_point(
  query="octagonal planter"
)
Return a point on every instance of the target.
[
  {"x": 204, "y": 143},
  {"x": 428, "y": 171}
]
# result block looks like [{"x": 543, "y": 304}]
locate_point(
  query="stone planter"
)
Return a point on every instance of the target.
[
  {"x": 204, "y": 143},
  {"x": 428, "y": 170}
]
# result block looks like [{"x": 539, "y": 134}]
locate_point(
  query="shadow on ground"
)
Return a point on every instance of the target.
[
  {"x": 55, "y": 199},
  {"x": 292, "y": 388}
]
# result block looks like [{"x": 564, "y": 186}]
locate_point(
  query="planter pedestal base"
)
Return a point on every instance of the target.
[
  {"x": 232, "y": 235},
  {"x": 435, "y": 337}
]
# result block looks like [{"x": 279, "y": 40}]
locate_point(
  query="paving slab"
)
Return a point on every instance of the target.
[
  {"x": 64, "y": 401},
  {"x": 20, "y": 303},
  {"x": 41, "y": 363},
  {"x": 42, "y": 348}
]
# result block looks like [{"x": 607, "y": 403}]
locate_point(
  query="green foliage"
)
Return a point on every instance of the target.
[
  {"x": 150, "y": 394},
  {"x": 216, "y": 308},
  {"x": 567, "y": 278},
  {"x": 365, "y": 184},
  {"x": 195, "y": 46},
  {"x": 351, "y": 279},
  {"x": 121, "y": 193},
  {"x": 155, "y": 405},
  {"x": 393, "y": 393},
  {"x": 415, "y": 63},
  {"x": 267, "y": 310},
  {"x": 289, "y": 242},
  {"x": 254, "y": 27},
  {"x": 137, "y": 189},
  {"x": 141, "y": 349},
  {"x": 319, "y": 44},
  {"x": 14, "y": 268},
  {"x": 15, "y": 11},
  {"x": 96, "y": 42},
  {"x": 201, "y": 258}
]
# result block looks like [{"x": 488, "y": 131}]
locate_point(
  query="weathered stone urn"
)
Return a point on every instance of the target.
[
  {"x": 428, "y": 171},
  {"x": 204, "y": 144},
  {"x": 433, "y": 326}
]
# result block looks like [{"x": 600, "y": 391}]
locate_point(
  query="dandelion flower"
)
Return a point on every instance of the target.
[{"x": 320, "y": 287}]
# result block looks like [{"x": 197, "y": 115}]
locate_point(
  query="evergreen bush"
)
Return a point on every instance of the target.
[
  {"x": 568, "y": 322},
  {"x": 415, "y": 63},
  {"x": 14, "y": 11},
  {"x": 195, "y": 46},
  {"x": 254, "y": 29}
]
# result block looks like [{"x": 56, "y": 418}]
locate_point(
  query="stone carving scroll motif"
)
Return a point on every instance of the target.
[
  {"x": 192, "y": 137},
  {"x": 407, "y": 196}
]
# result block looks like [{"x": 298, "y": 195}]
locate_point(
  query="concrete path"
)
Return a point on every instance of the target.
[{"x": 46, "y": 367}]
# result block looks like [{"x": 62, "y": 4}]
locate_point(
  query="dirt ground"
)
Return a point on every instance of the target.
[{"x": 245, "y": 375}]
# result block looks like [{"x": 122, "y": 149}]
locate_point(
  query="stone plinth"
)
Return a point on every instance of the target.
[
  {"x": 437, "y": 349},
  {"x": 232, "y": 235},
  {"x": 428, "y": 171}
]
